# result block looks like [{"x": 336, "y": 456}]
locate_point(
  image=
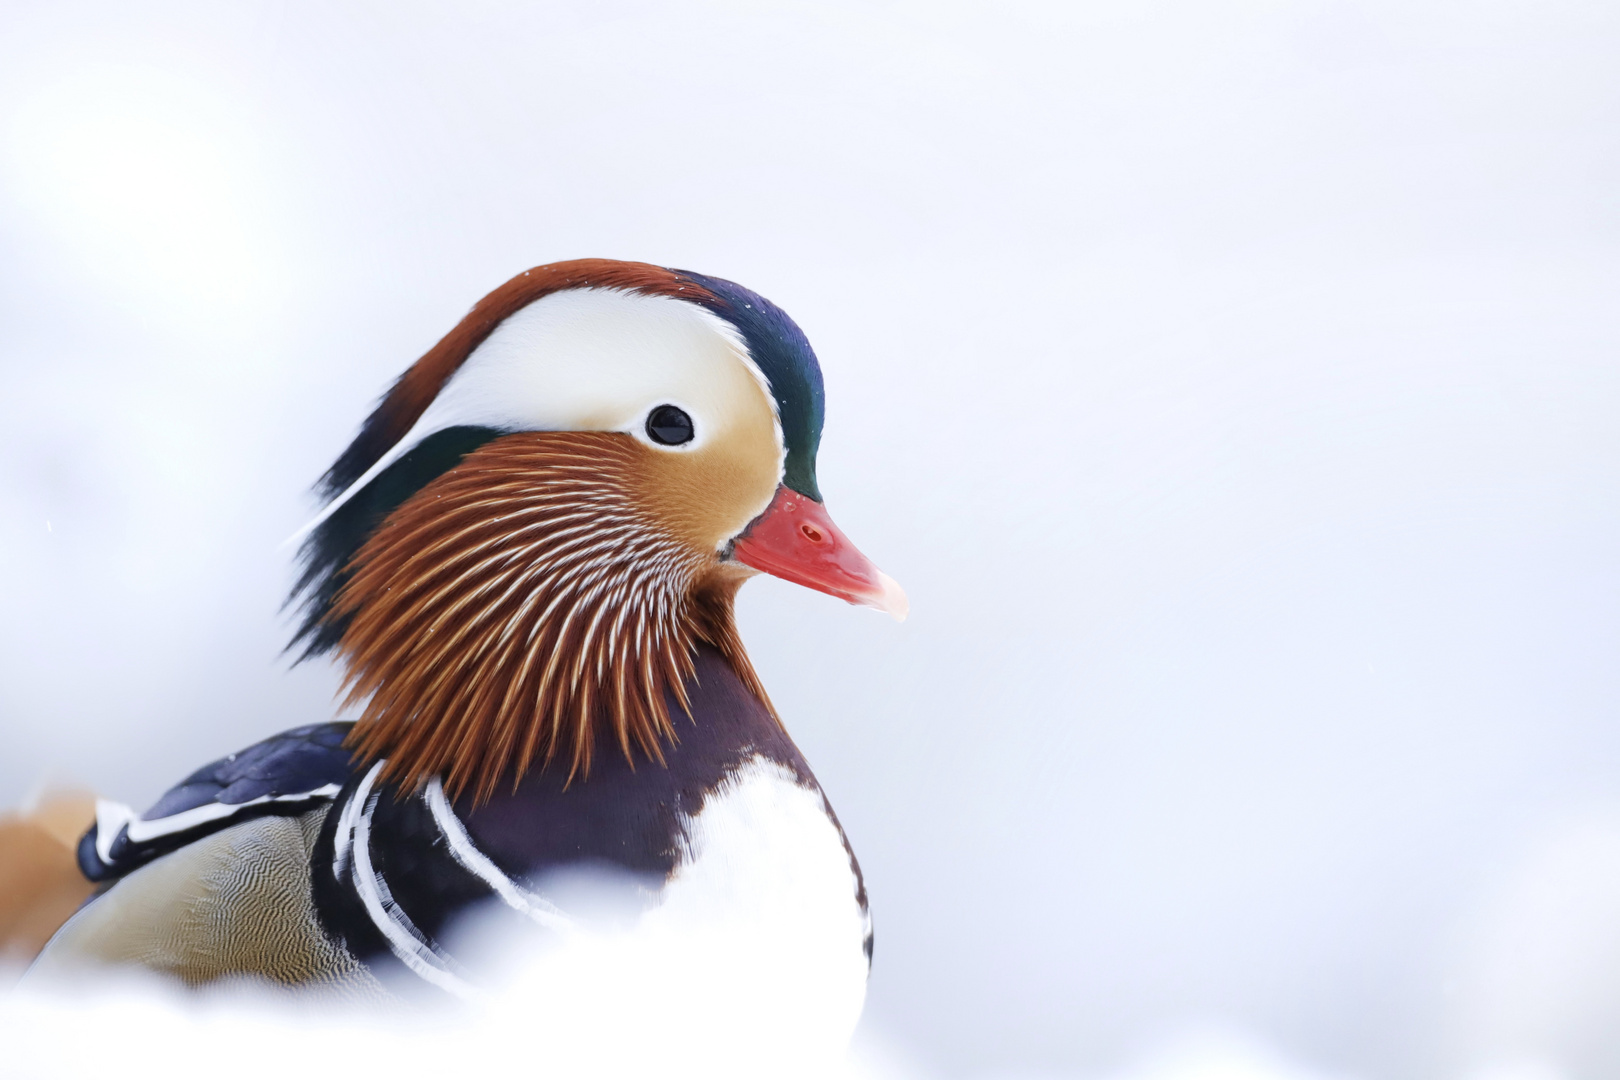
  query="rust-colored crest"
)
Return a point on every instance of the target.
[{"x": 520, "y": 604}]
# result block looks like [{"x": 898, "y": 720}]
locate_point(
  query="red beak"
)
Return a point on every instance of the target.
[{"x": 796, "y": 540}]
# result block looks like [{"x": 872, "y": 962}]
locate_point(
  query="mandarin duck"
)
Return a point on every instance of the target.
[{"x": 526, "y": 566}]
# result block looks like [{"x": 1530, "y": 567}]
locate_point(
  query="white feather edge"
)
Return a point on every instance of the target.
[{"x": 112, "y": 817}]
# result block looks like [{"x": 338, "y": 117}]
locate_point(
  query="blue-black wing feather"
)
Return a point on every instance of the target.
[{"x": 285, "y": 774}]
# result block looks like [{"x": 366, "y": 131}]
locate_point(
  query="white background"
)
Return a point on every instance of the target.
[{"x": 1233, "y": 387}]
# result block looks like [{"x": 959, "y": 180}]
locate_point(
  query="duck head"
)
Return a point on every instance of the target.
[{"x": 554, "y": 507}]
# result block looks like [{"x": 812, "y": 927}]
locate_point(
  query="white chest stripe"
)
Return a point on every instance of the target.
[
  {"x": 763, "y": 866},
  {"x": 475, "y": 862},
  {"x": 404, "y": 939}
]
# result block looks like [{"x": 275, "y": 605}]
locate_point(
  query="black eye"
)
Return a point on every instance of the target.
[{"x": 669, "y": 425}]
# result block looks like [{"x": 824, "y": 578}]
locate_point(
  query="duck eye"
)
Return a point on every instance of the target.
[{"x": 669, "y": 426}]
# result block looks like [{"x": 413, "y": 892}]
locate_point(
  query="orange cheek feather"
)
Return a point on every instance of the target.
[{"x": 531, "y": 597}]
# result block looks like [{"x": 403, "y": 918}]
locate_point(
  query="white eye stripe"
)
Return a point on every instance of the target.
[{"x": 595, "y": 360}]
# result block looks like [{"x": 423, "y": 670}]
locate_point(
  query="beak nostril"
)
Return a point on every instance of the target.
[{"x": 811, "y": 533}]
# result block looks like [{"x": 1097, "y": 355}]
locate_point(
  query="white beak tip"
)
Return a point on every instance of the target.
[{"x": 892, "y": 599}]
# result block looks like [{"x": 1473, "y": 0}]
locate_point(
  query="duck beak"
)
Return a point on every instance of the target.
[{"x": 795, "y": 539}]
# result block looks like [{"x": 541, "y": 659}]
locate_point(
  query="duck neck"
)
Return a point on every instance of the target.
[{"x": 628, "y": 814}]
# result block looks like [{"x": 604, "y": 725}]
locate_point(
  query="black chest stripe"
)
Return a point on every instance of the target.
[{"x": 388, "y": 861}]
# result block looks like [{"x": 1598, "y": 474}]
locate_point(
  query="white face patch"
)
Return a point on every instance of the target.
[
  {"x": 597, "y": 360},
  {"x": 600, "y": 360}
]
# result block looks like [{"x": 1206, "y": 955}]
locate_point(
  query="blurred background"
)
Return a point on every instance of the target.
[{"x": 1232, "y": 386}]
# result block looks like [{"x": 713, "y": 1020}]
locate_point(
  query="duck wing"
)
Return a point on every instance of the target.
[{"x": 284, "y": 775}]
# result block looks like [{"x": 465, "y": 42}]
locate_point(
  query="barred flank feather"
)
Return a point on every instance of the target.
[{"x": 520, "y": 602}]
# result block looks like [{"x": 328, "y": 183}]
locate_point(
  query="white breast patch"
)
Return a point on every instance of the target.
[
  {"x": 766, "y": 871},
  {"x": 763, "y": 858},
  {"x": 754, "y": 949}
]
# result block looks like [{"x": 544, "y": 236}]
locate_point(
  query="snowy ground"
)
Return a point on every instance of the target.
[{"x": 141, "y": 1031}]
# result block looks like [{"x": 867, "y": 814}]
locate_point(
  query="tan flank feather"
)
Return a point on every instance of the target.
[{"x": 40, "y": 883}]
